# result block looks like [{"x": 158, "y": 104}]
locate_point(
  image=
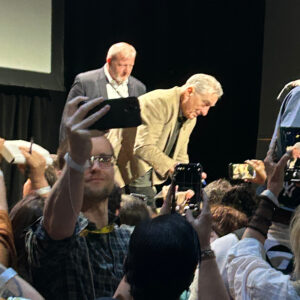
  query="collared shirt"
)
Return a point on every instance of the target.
[
  {"x": 76, "y": 267},
  {"x": 113, "y": 88},
  {"x": 251, "y": 277},
  {"x": 278, "y": 234}
]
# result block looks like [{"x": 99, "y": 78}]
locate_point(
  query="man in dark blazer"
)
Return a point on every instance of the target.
[{"x": 113, "y": 80}]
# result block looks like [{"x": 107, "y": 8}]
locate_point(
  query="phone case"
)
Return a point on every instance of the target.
[{"x": 123, "y": 113}]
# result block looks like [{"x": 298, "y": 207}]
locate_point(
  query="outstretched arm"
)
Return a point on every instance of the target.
[
  {"x": 211, "y": 285},
  {"x": 65, "y": 201}
]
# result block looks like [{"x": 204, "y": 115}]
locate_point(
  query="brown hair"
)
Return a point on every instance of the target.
[{"x": 227, "y": 219}]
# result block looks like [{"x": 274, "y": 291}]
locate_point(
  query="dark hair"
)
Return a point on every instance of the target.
[
  {"x": 242, "y": 198},
  {"x": 114, "y": 199},
  {"x": 50, "y": 175},
  {"x": 226, "y": 219},
  {"x": 22, "y": 215},
  {"x": 162, "y": 257},
  {"x": 133, "y": 211}
]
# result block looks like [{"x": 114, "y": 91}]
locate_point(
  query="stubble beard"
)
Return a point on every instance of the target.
[{"x": 97, "y": 195}]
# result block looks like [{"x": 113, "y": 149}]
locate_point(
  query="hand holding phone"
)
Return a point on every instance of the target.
[
  {"x": 241, "y": 171},
  {"x": 188, "y": 177},
  {"x": 123, "y": 113}
]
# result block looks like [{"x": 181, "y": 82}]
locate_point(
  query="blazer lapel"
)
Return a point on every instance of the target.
[
  {"x": 131, "y": 88},
  {"x": 102, "y": 81}
]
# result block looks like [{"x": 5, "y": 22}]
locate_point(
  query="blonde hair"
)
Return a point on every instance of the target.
[
  {"x": 205, "y": 84},
  {"x": 295, "y": 241},
  {"x": 122, "y": 48}
]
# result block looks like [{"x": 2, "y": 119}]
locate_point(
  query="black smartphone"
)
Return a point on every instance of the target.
[
  {"x": 188, "y": 177},
  {"x": 241, "y": 171},
  {"x": 123, "y": 113}
]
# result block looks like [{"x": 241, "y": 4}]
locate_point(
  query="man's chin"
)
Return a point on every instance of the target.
[
  {"x": 120, "y": 80},
  {"x": 97, "y": 195}
]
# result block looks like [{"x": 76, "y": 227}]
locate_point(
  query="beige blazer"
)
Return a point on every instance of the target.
[{"x": 142, "y": 148}]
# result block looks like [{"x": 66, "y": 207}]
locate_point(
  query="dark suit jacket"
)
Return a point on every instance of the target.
[{"x": 92, "y": 84}]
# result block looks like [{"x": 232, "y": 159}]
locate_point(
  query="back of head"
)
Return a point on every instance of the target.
[
  {"x": 242, "y": 198},
  {"x": 226, "y": 219},
  {"x": 133, "y": 211},
  {"x": 23, "y": 215},
  {"x": 205, "y": 84},
  {"x": 122, "y": 48},
  {"x": 216, "y": 190},
  {"x": 162, "y": 257},
  {"x": 114, "y": 199}
]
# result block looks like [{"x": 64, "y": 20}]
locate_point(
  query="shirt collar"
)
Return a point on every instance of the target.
[{"x": 111, "y": 80}]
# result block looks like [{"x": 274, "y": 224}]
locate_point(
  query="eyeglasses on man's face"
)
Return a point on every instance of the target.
[{"x": 104, "y": 161}]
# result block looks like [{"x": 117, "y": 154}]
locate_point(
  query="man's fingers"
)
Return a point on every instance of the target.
[
  {"x": 24, "y": 152},
  {"x": 75, "y": 101},
  {"x": 206, "y": 206},
  {"x": 189, "y": 216},
  {"x": 83, "y": 110},
  {"x": 90, "y": 120},
  {"x": 171, "y": 190},
  {"x": 283, "y": 161}
]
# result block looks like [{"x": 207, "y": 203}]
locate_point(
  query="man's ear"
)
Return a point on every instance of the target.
[
  {"x": 108, "y": 60},
  {"x": 190, "y": 90}
]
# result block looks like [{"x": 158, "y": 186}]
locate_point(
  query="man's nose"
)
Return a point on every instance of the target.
[
  {"x": 96, "y": 166},
  {"x": 204, "y": 111}
]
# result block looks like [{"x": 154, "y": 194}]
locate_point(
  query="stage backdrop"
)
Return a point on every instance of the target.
[{"x": 174, "y": 40}]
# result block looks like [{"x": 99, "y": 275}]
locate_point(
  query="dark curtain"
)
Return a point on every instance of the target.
[{"x": 27, "y": 113}]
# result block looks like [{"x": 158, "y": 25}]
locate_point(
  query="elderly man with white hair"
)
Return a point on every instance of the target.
[{"x": 168, "y": 118}]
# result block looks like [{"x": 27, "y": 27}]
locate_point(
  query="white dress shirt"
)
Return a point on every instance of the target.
[
  {"x": 251, "y": 277},
  {"x": 278, "y": 234},
  {"x": 113, "y": 88}
]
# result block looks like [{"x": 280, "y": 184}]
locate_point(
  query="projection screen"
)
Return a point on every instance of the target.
[{"x": 31, "y": 39}]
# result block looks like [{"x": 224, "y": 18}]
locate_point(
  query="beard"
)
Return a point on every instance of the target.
[{"x": 97, "y": 195}]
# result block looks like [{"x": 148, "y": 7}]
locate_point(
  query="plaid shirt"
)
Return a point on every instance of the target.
[{"x": 75, "y": 267}]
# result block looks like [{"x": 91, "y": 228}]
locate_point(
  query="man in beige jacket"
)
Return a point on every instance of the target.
[{"x": 161, "y": 142}]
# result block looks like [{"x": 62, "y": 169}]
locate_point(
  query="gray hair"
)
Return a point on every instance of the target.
[
  {"x": 125, "y": 49},
  {"x": 205, "y": 84}
]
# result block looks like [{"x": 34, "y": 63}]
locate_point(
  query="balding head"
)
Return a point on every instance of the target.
[
  {"x": 123, "y": 49},
  {"x": 120, "y": 61}
]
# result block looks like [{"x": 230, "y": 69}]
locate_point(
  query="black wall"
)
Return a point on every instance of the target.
[{"x": 174, "y": 40}]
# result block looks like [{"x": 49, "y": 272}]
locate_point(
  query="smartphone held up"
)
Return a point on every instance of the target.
[
  {"x": 241, "y": 171},
  {"x": 188, "y": 177},
  {"x": 123, "y": 113}
]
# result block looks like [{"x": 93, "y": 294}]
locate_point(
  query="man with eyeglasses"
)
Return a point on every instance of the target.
[
  {"x": 76, "y": 247},
  {"x": 112, "y": 81}
]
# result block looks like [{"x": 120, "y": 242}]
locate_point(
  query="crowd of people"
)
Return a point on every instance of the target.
[{"x": 90, "y": 225}]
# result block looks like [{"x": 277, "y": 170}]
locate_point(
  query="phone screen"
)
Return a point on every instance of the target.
[
  {"x": 241, "y": 171},
  {"x": 188, "y": 177}
]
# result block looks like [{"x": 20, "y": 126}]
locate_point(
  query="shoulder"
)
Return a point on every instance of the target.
[
  {"x": 167, "y": 96},
  {"x": 224, "y": 243},
  {"x": 123, "y": 233},
  {"x": 295, "y": 91},
  {"x": 134, "y": 81},
  {"x": 90, "y": 75}
]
